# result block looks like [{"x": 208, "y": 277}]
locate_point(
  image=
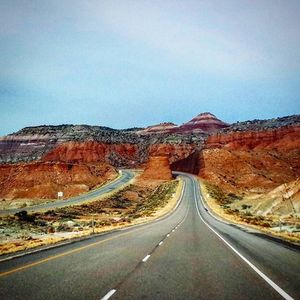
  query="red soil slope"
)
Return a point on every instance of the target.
[{"x": 44, "y": 180}]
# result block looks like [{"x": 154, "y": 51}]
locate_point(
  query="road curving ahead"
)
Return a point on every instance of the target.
[{"x": 124, "y": 178}]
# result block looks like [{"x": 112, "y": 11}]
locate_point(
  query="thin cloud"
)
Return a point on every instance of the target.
[{"x": 214, "y": 49}]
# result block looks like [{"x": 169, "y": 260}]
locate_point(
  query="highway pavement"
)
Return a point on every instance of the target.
[
  {"x": 187, "y": 254},
  {"x": 126, "y": 176}
]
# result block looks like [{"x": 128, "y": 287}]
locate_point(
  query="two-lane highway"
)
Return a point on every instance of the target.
[{"x": 186, "y": 255}]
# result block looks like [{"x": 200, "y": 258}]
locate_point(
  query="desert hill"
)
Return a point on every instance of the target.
[{"x": 246, "y": 157}]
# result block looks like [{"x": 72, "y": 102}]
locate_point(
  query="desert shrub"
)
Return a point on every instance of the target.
[
  {"x": 41, "y": 223},
  {"x": 51, "y": 229},
  {"x": 234, "y": 197},
  {"x": 63, "y": 227},
  {"x": 24, "y": 216},
  {"x": 121, "y": 203},
  {"x": 222, "y": 198},
  {"x": 225, "y": 206},
  {"x": 51, "y": 213},
  {"x": 248, "y": 213},
  {"x": 246, "y": 206}
]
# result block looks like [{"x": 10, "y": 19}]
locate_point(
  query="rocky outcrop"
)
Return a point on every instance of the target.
[
  {"x": 14, "y": 148},
  {"x": 44, "y": 180},
  {"x": 157, "y": 168}
]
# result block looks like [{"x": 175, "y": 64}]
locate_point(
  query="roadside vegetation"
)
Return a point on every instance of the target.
[{"x": 133, "y": 204}]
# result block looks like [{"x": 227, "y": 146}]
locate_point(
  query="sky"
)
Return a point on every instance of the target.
[{"x": 137, "y": 63}]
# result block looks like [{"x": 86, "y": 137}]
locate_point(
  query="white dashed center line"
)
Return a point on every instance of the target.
[
  {"x": 168, "y": 235},
  {"x": 160, "y": 243},
  {"x": 108, "y": 295},
  {"x": 146, "y": 258}
]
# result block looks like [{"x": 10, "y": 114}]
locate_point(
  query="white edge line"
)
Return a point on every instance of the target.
[
  {"x": 108, "y": 295},
  {"x": 278, "y": 289},
  {"x": 146, "y": 258},
  {"x": 160, "y": 243},
  {"x": 180, "y": 197}
]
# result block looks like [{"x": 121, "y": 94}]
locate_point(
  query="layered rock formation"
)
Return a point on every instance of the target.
[
  {"x": 255, "y": 156},
  {"x": 166, "y": 127},
  {"x": 204, "y": 122},
  {"x": 283, "y": 139},
  {"x": 44, "y": 180},
  {"x": 250, "y": 156},
  {"x": 32, "y": 143},
  {"x": 121, "y": 148}
]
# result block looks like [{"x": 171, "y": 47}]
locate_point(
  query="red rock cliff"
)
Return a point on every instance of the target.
[
  {"x": 256, "y": 161},
  {"x": 282, "y": 139},
  {"x": 86, "y": 152}
]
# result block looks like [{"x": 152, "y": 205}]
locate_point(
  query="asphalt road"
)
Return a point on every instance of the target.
[
  {"x": 181, "y": 256},
  {"x": 125, "y": 177}
]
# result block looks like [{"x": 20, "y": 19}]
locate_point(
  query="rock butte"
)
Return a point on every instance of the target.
[{"x": 157, "y": 168}]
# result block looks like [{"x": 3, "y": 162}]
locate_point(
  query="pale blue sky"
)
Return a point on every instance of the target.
[{"x": 136, "y": 63}]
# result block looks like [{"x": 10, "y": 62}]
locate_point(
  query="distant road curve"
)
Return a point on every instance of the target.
[{"x": 126, "y": 176}]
